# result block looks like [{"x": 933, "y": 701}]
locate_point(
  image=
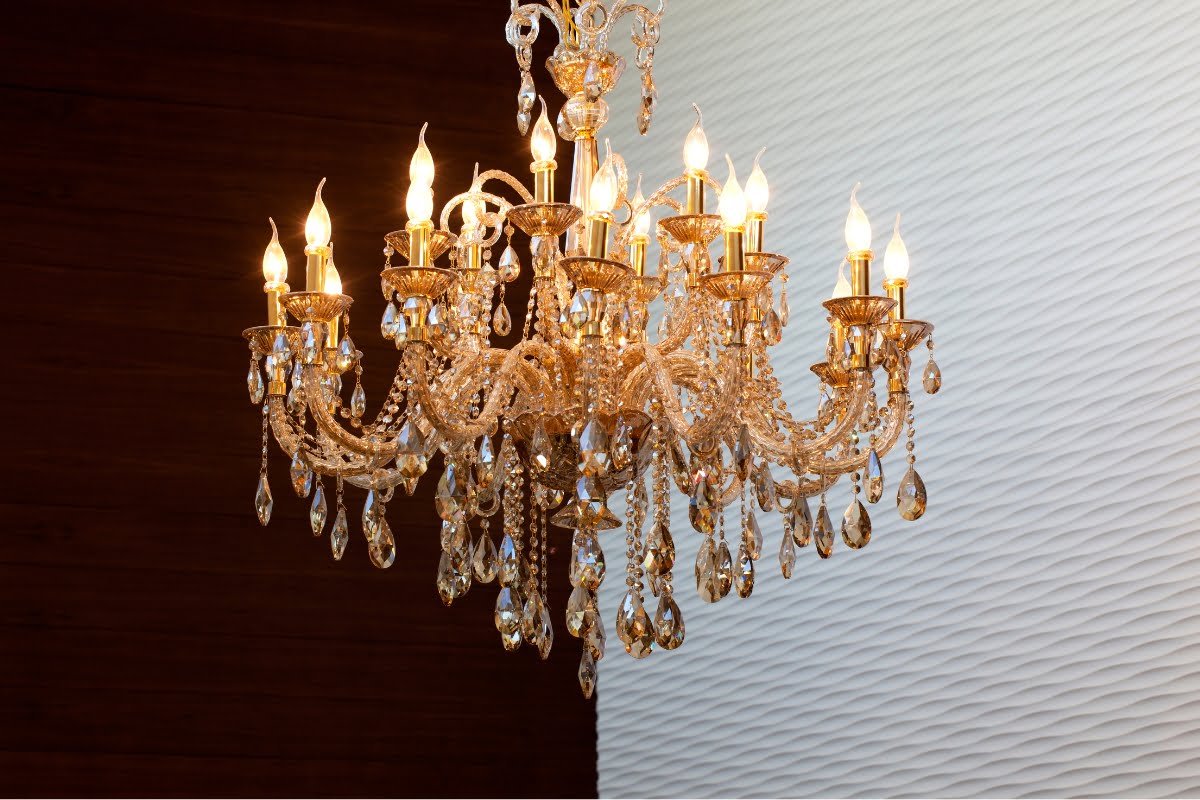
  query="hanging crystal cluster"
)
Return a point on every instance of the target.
[{"x": 587, "y": 405}]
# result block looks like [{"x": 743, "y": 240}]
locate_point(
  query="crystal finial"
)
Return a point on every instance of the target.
[{"x": 931, "y": 379}]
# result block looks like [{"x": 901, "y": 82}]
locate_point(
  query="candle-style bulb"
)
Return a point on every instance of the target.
[
  {"x": 842, "y": 289},
  {"x": 274, "y": 260},
  {"x": 418, "y": 203},
  {"x": 732, "y": 205},
  {"x": 602, "y": 195},
  {"x": 757, "y": 192},
  {"x": 420, "y": 168},
  {"x": 318, "y": 228},
  {"x": 333, "y": 279},
  {"x": 641, "y": 223},
  {"x": 695, "y": 146},
  {"x": 542, "y": 142},
  {"x": 858, "y": 227},
  {"x": 895, "y": 258}
]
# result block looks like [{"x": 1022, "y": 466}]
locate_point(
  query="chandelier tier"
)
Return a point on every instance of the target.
[{"x": 588, "y": 404}]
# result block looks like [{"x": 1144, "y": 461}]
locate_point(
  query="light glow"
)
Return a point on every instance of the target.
[
  {"x": 732, "y": 205},
  {"x": 602, "y": 195},
  {"x": 542, "y": 142},
  {"x": 842, "y": 288},
  {"x": 757, "y": 192},
  {"x": 641, "y": 223},
  {"x": 274, "y": 265},
  {"x": 695, "y": 146},
  {"x": 318, "y": 227},
  {"x": 420, "y": 168},
  {"x": 895, "y": 258},
  {"x": 858, "y": 227}
]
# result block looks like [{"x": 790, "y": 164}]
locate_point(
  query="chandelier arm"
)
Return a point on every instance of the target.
[
  {"x": 329, "y": 425},
  {"x": 711, "y": 426},
  {"x": 859, "y": 395},
  {"x": 291, "y": 440},
  {"x": 526, "y": 14},
  {"x": 658, "y": 198},
  {"x": 892, "y": 428},
  {"x": 504, "y": 177},
  {"x": 459, "y": 199}
]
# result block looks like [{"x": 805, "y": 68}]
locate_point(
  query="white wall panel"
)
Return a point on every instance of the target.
[{"x": 1038, "y": 631}]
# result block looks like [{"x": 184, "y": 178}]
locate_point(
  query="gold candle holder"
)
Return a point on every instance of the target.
[
  {"x": 314, "y": 270},
  {"x": 754, "y": 231},
  {"x": 637, "y": 254},
  {"x": 860, "y": 271},
  {"x": 418, "y": 242},
  {"x": 735, "y": 250},
  {"x": 543, "y": 181},
  {"x": 695, "y": 192},
  {"x": 895, "y": 289},
  {"x": 276, "y": 315},
  {"x": 598, "y": 225}
]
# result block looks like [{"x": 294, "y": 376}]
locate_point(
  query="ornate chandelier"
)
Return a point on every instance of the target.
[{"x": 588, "y": 404}]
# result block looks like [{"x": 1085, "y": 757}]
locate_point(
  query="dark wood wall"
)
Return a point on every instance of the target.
[{"x": 154, "y": 640}]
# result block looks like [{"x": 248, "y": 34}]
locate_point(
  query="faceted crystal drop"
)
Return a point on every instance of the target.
[
  {"x": 634, "y": 627},
  {"x": 387, "y": 326},
  {"x": 318, "y": 512},
  {"x": 932, "y": 378},
  {"x": 510, "y": 265},
  {"x": 707, "y": 551},
  {"x": 345, "y": 353},
  {"x": 587, "y": 674},
  {"x": 508, "y": 612},
  {"x": 511, "y": 641},
  {"x": 254, "y": 382},
  {"x": 454, "y": 493},
  {"x": 802, "y": 521},
  {"x": 485, "y": 464},
  {"x": 339, "y": 537},
  {"x": 668, "y": 623},
  {"x": 743, "y": 576},
  {"x": 587, "y": 560},
  {"x": 509, "y": 564},
  {"x": 410, "y": 451},
  {"x": 484, "y": 561},
  {"x": 752, "y": 538},
  {"x": 910, "y": 497},
  {"x": 447, "y": 581},
  {"x": 874, "y": 477},
  {"x": 577, "y": 607},
  {"x": 358, "y": 401},
  {"x": 785, "y": 310},
  {"x": 302, "y": 477},
  {"x": 724, "y": 569},
  {"x": 823, "y": 532},
  {"x": 281, "y": 349},
  {"x": 372, "y": 515},
  {"x": 526, "y": 94},
  {"x": 545, "y": 635},
  {"x": 502, "y": 321},
  {"x": 743, "y": 453},
  {"x": 856, "y": 526},
  {"x": 772, "y": 328},
  {"x": 531, "y": 616},
  {"x": 593, "y": 448},
  {"x": 764, "y": 487},
  {"x": 263, "y": 502},
  {"x": 539, "y": 448},
  {"x": 622, "y": 446},
  {"x": 401, "y": 336},
  {"x": 382, "y": 548},
  {"x": 660, "y": 550},
  {"x": 593, "y": 639},
  {"x": 787, "y": 555},
  {"x": 459, "y": 545},
  {"x": 701, "y": 506},
  {"x": 592, "y": 85}
]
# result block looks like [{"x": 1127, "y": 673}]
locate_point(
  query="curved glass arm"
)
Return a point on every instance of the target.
[
  {"x": 884, "y": 442},
  {"x": 781, "y": 449},
  {"x": 380, "y": 451},
  {"x": 291, "y": 440},
  {"x": 685, "y": 369}
]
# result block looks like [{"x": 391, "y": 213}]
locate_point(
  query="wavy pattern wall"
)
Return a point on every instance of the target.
[{"x": 1038, "y": 632}]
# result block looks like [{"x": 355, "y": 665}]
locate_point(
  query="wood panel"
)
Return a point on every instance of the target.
[{"x": 155, "y": 639}]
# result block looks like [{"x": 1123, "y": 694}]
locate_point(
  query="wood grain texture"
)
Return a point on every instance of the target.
[{"x": 154, "y": 640}]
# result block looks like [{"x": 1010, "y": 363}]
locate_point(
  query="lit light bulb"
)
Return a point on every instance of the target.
[
  {"x": 274, "y": 260},
  {"x": 732, "y": 205},
  {"x": 756, "y": 187},
  {"x": 895, "y": 258},
  {"x": 318, "y": 228},
  {"x": 419, "y": 203},
  {"x": 420, "y": 169},
  {"x": 641, "y": 223},
  {"x": 695, "y": 146},
  {"x": 842, "y": 289},
  {"x": 858, "y": 227},
  {"x": 333, "y": 279},
  {"x": 602, "y": 195},
  {"x": 472, "y": 211},
  {"x": 542, "y": 142}
]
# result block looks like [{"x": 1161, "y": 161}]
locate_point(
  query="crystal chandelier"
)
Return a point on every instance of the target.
[{"x": 588, "y": 404}]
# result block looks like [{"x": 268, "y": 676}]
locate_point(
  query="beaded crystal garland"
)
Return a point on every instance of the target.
[{"x": 589, "y": 404}]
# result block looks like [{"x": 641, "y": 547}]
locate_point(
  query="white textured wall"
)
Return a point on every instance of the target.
[{"x": 1038, "y": 632}]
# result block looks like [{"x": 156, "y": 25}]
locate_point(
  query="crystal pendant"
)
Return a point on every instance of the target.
[
  {"x": 910, "y": 497},
  {"x": 577, "y": 607},
  {"x": 358, "y": 401},
  {"x": 339, "y": 537},
  {"x": 531, "y": 616},
  {"x": 764, "y": 487},
  {"x": 382, "y": 548},
  {"x": 752, "y": 538},
  {"x": 743, "y": 453},
  {"x": 410, "y": 451},
  {"x": 401, "y": 337},
  {"x": 823, "y": 532},
  {"x": 302, "y": 477},
  {"x": 387, "y": 326},
  {"x": 454, "y": 493},
  {"x": 263, "y": 502},
  {"x": 318, "y": 512},
  {"x": 593, "y": 639},
  {"x": 509, "y": 564},
  {"x": 526, "y": 94},
  {"x": 724, "y": 569},
  {"x": 787, "y": 555},
  {"x": 484, "y": 561},
  {"x": 281, "y": 349},
  {"x": 660, "y": 550},
  {"x": 545, "y": 635},
  {"x": 856, "y": 526},
  {"x": 502, "y": 321},
  {"x": 510, "y": 265},
  {"x": 313, "y": 337},
  {"x": 372, "y": 515},
  {"x": 874, "y": 477},
  {"x": 593, "y": 448},
  {"x": 345, "y": 353},
  {"x": 785, "y": 310},
  {"x": 447, "y": 580},
  {"x": 743, "y": 576},
  {"x": 587, "y": 560},
  {"x": 701, "y": 506},
  {"x": 485, "y": 464},
  {"x": 668, "y": 623},
  {"x": 772, "y": 328},
  {"x": 458, "y": 542},
  {"x": 508, "y": 611},
  {"x": 622, "y": 446},
  {"x": 254, "y": 382},
  {"x": 708, "y": 549},
  {"x": 587, "y": 674},
  {"x": 932, "y": 378},
  {"x": 634, "y": 628},
  {"x": 540, "y": 449},
  {"x": 592, "y": 85},
  {"x": 801, "y": 521}
]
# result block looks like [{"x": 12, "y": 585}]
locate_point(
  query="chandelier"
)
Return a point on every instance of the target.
[{"x": 589, "y": 403}]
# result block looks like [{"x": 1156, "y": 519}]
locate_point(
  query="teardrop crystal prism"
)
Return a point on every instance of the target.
[
  {"x": 509, "y": 562},
  {"x": 510, "y": 265},
  {"x": 358, "y": 401},
  {"x": 593, "y": 638},
  {"x": 339, "y": 536},
  {"x": 587, "y": 560},
  {"x": 622, "y": 446},
  {"x": 301, "y": 475},
  {"x": 577, "y": 607},
  {"x": 502, "y": 320},
  {"x": 752, "y": 538},
  {"x": 387, "y": 325},
  {"x": 910, "y": 496},
  {"x": 372, "y": 514},
  {"x": 932, "y": 377},
  {"x": 545, "y": 634},
  {"x": 772, "y": 328},
  {"x": 508, "y": 613},
  {"x": 724, "y": 569},
  {"x": 668, "y": 623},
  {"x": 345, "y": 353},
  {"x": 318, "y": 511},
  {"x": 587, "y": 674},
  {"x": 593, "y": 447},
  {"x": 802, "y": 521},
  {"x": 263, "y": 502},
  {"x": 660, "y": 550},
  {"x": 531, "y": 616},
  {"x": 382, "y": 549},
  {"x": 511, "y": 641},
  {"x": 785, "y": 310},
  {"x": 874, "y": 477},
  {"x": 764, "y": 487},
  {"x": 708, "y": 549},
  {"x": 410, "y": 451},
  {"x": 823, "y": 532},
  {"x": 539, "y": 447},
  {"x": 856, "y": 525},
  {"x": 743, "y": 574},
  {"x": 447, "y": 581},
  {"x": 787, "y": 555},
  {"x": 701, "y": 506},
  {"x": 743, "y": 453},
  {"x": 526, "y": 94},
  {"x": 634, "y": 627},
  {"x": 483, "y": 560},
  {"x": 254, "y": 383},
  {"x": 485, "y": 464}
]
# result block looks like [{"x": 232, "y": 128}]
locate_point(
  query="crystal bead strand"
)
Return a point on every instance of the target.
[
  {"x": 263, "y": 502},
  {"x": 339, "y": 535},
  {"x": 910, "y": 496},
  {"x": 856, "y": 525}
]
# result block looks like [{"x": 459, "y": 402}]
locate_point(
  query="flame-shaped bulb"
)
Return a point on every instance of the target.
[
  {"x": 333, "y": 279},
  {"x": 695, "y": 146},
  {"x": 641, "y": 223},
  {"x": 757, "y": 192},
  {"x": 602, "y": 195},
  {"x": 732, "y": 205},
  {"x": 895, "y": 258},
  {"x": 274, "y": 260},
  {"x": 318, "y": 228},
  {"x": 842, "y": 288},
  {"x": 420, "y": 168},
  {"x": 858, "y": 227},
  {"x": 542, "y": 142}
]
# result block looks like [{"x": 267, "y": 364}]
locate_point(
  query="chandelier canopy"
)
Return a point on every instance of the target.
[{"x": 588, "y": 403}]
